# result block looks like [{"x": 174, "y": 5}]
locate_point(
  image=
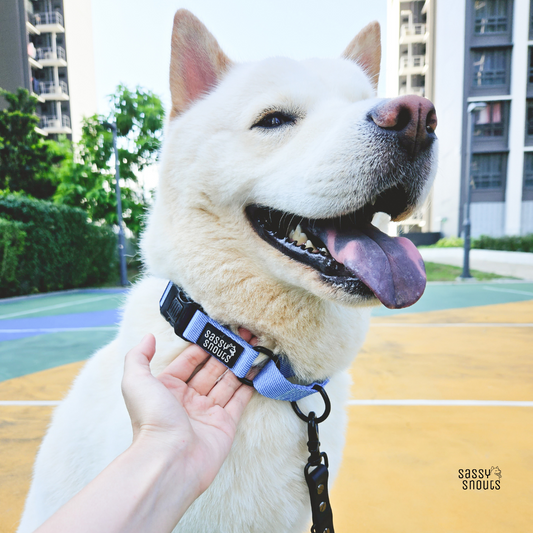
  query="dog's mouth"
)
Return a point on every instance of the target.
[{"x": 348, "y": 251}]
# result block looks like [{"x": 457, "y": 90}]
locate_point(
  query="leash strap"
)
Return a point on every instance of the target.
[{"x": 191, "y": 323}]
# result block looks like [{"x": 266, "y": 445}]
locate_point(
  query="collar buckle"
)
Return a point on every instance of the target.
[{"x": 178, "y": 308}]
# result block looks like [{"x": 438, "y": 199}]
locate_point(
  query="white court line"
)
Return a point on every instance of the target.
[
  {"x": 514, "y": 291},
  {"x": 452, "y": 325},
  {"x": 58, "y": 306},
  {"x": 28, "y": 402},
  {"x": 449, "y": 403},
  {"x": 58, "y": 330},
  {"x": 460, "y": 403}
]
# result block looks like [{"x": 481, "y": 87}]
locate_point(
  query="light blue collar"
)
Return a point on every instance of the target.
[{"x": 192, "y": 324}]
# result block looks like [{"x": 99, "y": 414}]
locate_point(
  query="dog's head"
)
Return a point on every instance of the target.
[{"x": 272, "y": 172}]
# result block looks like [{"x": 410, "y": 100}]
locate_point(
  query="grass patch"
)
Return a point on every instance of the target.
[{"x": 440, "y": 272}]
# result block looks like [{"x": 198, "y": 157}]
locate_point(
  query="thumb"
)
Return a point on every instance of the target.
[{"x": 140, "y": 356}]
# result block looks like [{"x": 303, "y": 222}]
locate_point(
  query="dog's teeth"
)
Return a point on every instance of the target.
[
  {"x": 310, "y": 245},
  {"x": 291, "y": 235},
  {"x": 300, "y": 237},
  {"x": 373, "y": 200}
]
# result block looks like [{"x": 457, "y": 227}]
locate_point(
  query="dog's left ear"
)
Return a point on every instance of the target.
[{"x": 365, "y": 50}]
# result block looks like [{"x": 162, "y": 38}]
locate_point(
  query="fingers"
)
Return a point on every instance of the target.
[
  {"x": 248, "y": 336},
  {"x": 237, "y": 403},
  {"x": 205, "y": 380},
  {"x": 186, "y": 363},
  {"x": 222, "y": 392}
]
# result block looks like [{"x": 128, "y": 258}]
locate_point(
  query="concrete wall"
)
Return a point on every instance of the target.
[
  {"x": 80, "y": 57},
  {"x": 449, "y": 56},
  {"x": 527, "y": 217},
  {"x": 14, "y": 71},
  {"x": 519, "y": 73},
  {"x": 488, "y": 218}
]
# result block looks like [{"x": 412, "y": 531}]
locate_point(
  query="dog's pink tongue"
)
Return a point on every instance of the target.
[{"x": 391, "y": 267}]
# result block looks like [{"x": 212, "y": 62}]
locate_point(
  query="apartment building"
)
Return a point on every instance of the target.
[
  {"x": 46, "y": 47},
  {"x": 457, "y": 52}
]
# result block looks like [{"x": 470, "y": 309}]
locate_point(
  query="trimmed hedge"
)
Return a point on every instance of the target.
[
  {"x": 513, "y": 243},
  {"x": 46, "y": 247}
]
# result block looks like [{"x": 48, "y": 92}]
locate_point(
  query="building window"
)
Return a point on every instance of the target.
[
  {"x": 530, "y": 72},
  {"x": 490, "y": 67},
  {"x": 490, "y": 16},
  {"x": 531, "y": 20},
  {"x": 528, "y": 170},
  {"x": 529, "y": 121},
  {"x": 488, "y": 171},
  {"x": 490, "y": 121}
]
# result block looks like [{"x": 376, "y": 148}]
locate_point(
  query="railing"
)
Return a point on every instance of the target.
[
  {"x": 418, "y": 91},
  {"x": 54, "y": 122},
  {"x": 409, "y": 30},
  {"x": 412, "y": 62},
  {"x": 48, "y": 53},
  {"x": 49, "y": 87},
  {"x": 30, "y": 17},
  {"x": 48, "y": 17}
]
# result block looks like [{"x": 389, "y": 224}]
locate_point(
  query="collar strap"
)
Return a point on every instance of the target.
[{"x": 191, "y": 323}]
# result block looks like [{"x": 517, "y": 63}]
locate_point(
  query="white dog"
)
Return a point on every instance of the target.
[{"x": 271, "y": 174}]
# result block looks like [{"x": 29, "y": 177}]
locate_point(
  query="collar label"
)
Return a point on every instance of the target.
[{"x": 219, "y": 345}]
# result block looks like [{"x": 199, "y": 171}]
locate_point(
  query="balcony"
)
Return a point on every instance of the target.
[
  {"x": 412, "y": 33},
  {"x": 412, "y": 65},
  {"x": 30, "y": 24},
  {"x": 49, "y": 22},
  {"x": 47, "y": 57},
  {"x": 418, "y": 91},
  {"x": 50, "y": 91},
  {"x": 51, "y": 124}
]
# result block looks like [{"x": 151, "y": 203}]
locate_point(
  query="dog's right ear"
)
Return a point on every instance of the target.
[
  {"x": 365, "y": 50},
  {"x": 197, "y": 62}
]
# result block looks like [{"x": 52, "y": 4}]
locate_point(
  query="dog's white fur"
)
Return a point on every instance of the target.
[{"x": 213, "y": 165}]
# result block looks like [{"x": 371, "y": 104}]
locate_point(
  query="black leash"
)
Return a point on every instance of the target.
[{"x": 315, "y": 471}]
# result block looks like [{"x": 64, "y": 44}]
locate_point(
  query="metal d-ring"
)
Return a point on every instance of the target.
[
  {"x": 270, "y": 354},
  {"x": 327, "y": 408}
]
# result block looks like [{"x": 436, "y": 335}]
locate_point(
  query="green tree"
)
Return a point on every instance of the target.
[
  {"x": 28, "y": 162},
  {"x": 87, "y": 180}
]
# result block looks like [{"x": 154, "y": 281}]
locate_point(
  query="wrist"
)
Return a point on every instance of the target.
[{"x": 170, "y": 460}]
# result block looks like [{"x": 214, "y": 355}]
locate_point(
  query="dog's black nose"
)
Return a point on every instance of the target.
[{"x": 412, "y": 117}]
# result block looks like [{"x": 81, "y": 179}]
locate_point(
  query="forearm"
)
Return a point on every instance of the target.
[{"x": 147, "y": 488}]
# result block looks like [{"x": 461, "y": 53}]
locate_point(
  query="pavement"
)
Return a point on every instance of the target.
[
  {"x": 514, "y": 264},
  {"x": 439, "y": 390}
]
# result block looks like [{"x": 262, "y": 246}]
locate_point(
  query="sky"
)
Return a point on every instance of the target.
[{"x": 132, "y": 37}]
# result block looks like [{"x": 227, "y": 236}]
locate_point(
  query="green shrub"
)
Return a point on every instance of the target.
[
  {"x": 12, "y": 238},
  {"x": 60, "y": 249},
  {"x": 513, "y": 243},
  {"x": 450, "y": 242}
]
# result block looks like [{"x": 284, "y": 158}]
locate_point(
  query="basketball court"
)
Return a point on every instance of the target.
[{"x": 439, "y": 390}]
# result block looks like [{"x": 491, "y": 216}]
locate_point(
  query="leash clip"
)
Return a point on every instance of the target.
[{"x": 315, "y": 471}]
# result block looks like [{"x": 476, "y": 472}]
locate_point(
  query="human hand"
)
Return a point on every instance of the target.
[{"x": 196, "y": 418}]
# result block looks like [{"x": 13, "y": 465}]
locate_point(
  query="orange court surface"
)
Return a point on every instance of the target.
[{"x": 440, "y": 390}]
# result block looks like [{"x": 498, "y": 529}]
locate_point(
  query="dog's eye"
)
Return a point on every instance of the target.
[{"x": 274, "y": 120}]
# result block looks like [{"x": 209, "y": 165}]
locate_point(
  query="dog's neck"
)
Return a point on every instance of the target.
[{"x": 319, "y": 337}]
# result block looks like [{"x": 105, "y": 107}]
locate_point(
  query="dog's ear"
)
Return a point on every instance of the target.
[
  {"x": 197, "y": 62},
  {"x": 365, "y": 50}
]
